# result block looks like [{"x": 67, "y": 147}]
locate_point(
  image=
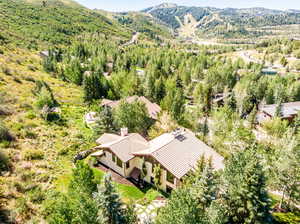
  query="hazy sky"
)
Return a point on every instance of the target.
[{"x": 127, "y": 5}]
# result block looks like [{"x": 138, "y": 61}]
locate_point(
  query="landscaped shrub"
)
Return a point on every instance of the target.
[{"x": 33, "y": 154}]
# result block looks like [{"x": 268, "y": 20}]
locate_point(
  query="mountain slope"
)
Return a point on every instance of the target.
[
  {"x": 56, "y": 22},
  {"x": 220, "y": 21},
  {"x": 144, "y": 23}
]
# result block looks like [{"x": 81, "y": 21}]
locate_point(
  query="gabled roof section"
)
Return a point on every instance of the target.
[
  {"x": 287, "y": 109},
  {"x": 179, "y": 152},
  {"x": 123, "y": 147},
  {"x": 153, "y": 108}
]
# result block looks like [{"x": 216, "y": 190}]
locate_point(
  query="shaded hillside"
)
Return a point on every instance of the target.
[{"x": 56, "y": 21}]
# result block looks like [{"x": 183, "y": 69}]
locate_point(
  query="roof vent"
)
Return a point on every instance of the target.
[{"x": 179, "y": 134}]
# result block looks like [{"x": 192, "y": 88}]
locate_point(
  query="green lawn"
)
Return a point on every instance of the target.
[{"x": 128, "y": 193}]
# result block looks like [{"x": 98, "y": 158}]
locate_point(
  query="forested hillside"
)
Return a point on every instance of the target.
[
  {"x": 226, "y": 22},
  {"x": 47, "y": 173}
]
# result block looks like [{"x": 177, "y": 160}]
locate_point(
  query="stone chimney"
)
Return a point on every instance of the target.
[{"x": 124, "y": 132}]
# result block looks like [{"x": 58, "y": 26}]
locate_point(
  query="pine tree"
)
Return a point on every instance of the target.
[
  {"x": 245, "y": 195},
  {"x": 82, "y": 179},
  {"x": 109, "y": 202},
  {"x": 204, "y": 189},
  {"x": 181, "y": 208},
  {"x": 105, "y": 122}
]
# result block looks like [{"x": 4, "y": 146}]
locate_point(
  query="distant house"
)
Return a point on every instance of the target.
[
  {"x": 288, "y": 111},
  {"x": 44, "y": 54},
  {"x": 177, "y": 153},
  {"x": 269, "y": 71},
  {"x": 153, "y": 108}
]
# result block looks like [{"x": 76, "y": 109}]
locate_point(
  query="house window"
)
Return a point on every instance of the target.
[
  {"x": 170, "y": 177},
  {"x": 127, "y": 165},
  {"x": 152, "y": 180},
  {"x": 169, "y": 190},
  {"x": 119, "y": 163},
  {"x": 114, "y": 158}
]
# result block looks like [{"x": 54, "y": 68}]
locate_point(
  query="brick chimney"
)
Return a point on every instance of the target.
[{"x": 124, "y": 132}]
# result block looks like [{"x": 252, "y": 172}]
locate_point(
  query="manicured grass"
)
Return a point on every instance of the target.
[{"x": 130, "y": 193}]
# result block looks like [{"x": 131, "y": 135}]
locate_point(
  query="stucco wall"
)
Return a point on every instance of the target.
[
  {"x": 106, "y": 159},
  {"x": 137, "y": 162}
]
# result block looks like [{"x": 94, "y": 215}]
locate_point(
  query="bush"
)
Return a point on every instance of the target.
[
  {"x": 287, "y": 218},
  {"x": 44, "y": 95},
  {"x": 296, "y": 65},
  {"x": 45, "y": 98},
  {"x": 30, "y": 135},
  {"x": 30, "y": 115},
  {"x": 33, "y": 154},
  {"x": 275, "y": 127},
  {"x": 5, "y": 135},
  {"x": 7, "y": 71},
  {"x": 36, "y": 195},
  {"x": 4, "y": 162}
]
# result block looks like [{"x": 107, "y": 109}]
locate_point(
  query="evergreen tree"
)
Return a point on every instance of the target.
[
  {"x": 105, "y": 122},
  {"x": 82, "y": 180},
  {"x": 109, "y": 202},
  {"x": 204, "y": 189},
  {"x": 78, "y": 205},
  {"x": 245, "y": 196},
  {"x": 181, "y": 208}
]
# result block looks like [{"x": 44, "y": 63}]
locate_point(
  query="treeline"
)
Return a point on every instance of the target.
[{"x": 170, "y": 77}]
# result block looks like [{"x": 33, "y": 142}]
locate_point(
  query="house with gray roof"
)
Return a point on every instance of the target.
[
  {"x": 132, "y": 156},
  {"x": 288, "y": 111}
]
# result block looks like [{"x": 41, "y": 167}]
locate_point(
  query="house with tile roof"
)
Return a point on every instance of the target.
[
  {"x": 288, "y": 111},
  {"x": 176, "y": 153},
  {"x": 153, "y": 108}
]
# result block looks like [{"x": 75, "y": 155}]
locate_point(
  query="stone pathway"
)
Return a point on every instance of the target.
[{"x": 147, "y": 213}]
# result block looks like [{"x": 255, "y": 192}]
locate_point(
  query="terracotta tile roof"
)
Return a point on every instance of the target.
[{"x": 153, "y": 108}]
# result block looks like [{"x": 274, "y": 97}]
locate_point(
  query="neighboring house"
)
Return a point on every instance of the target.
[
  {"x": 177, "y": 153},
  {"x": 288, "y": 111},
  {"x": 153, "y": 108}
]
